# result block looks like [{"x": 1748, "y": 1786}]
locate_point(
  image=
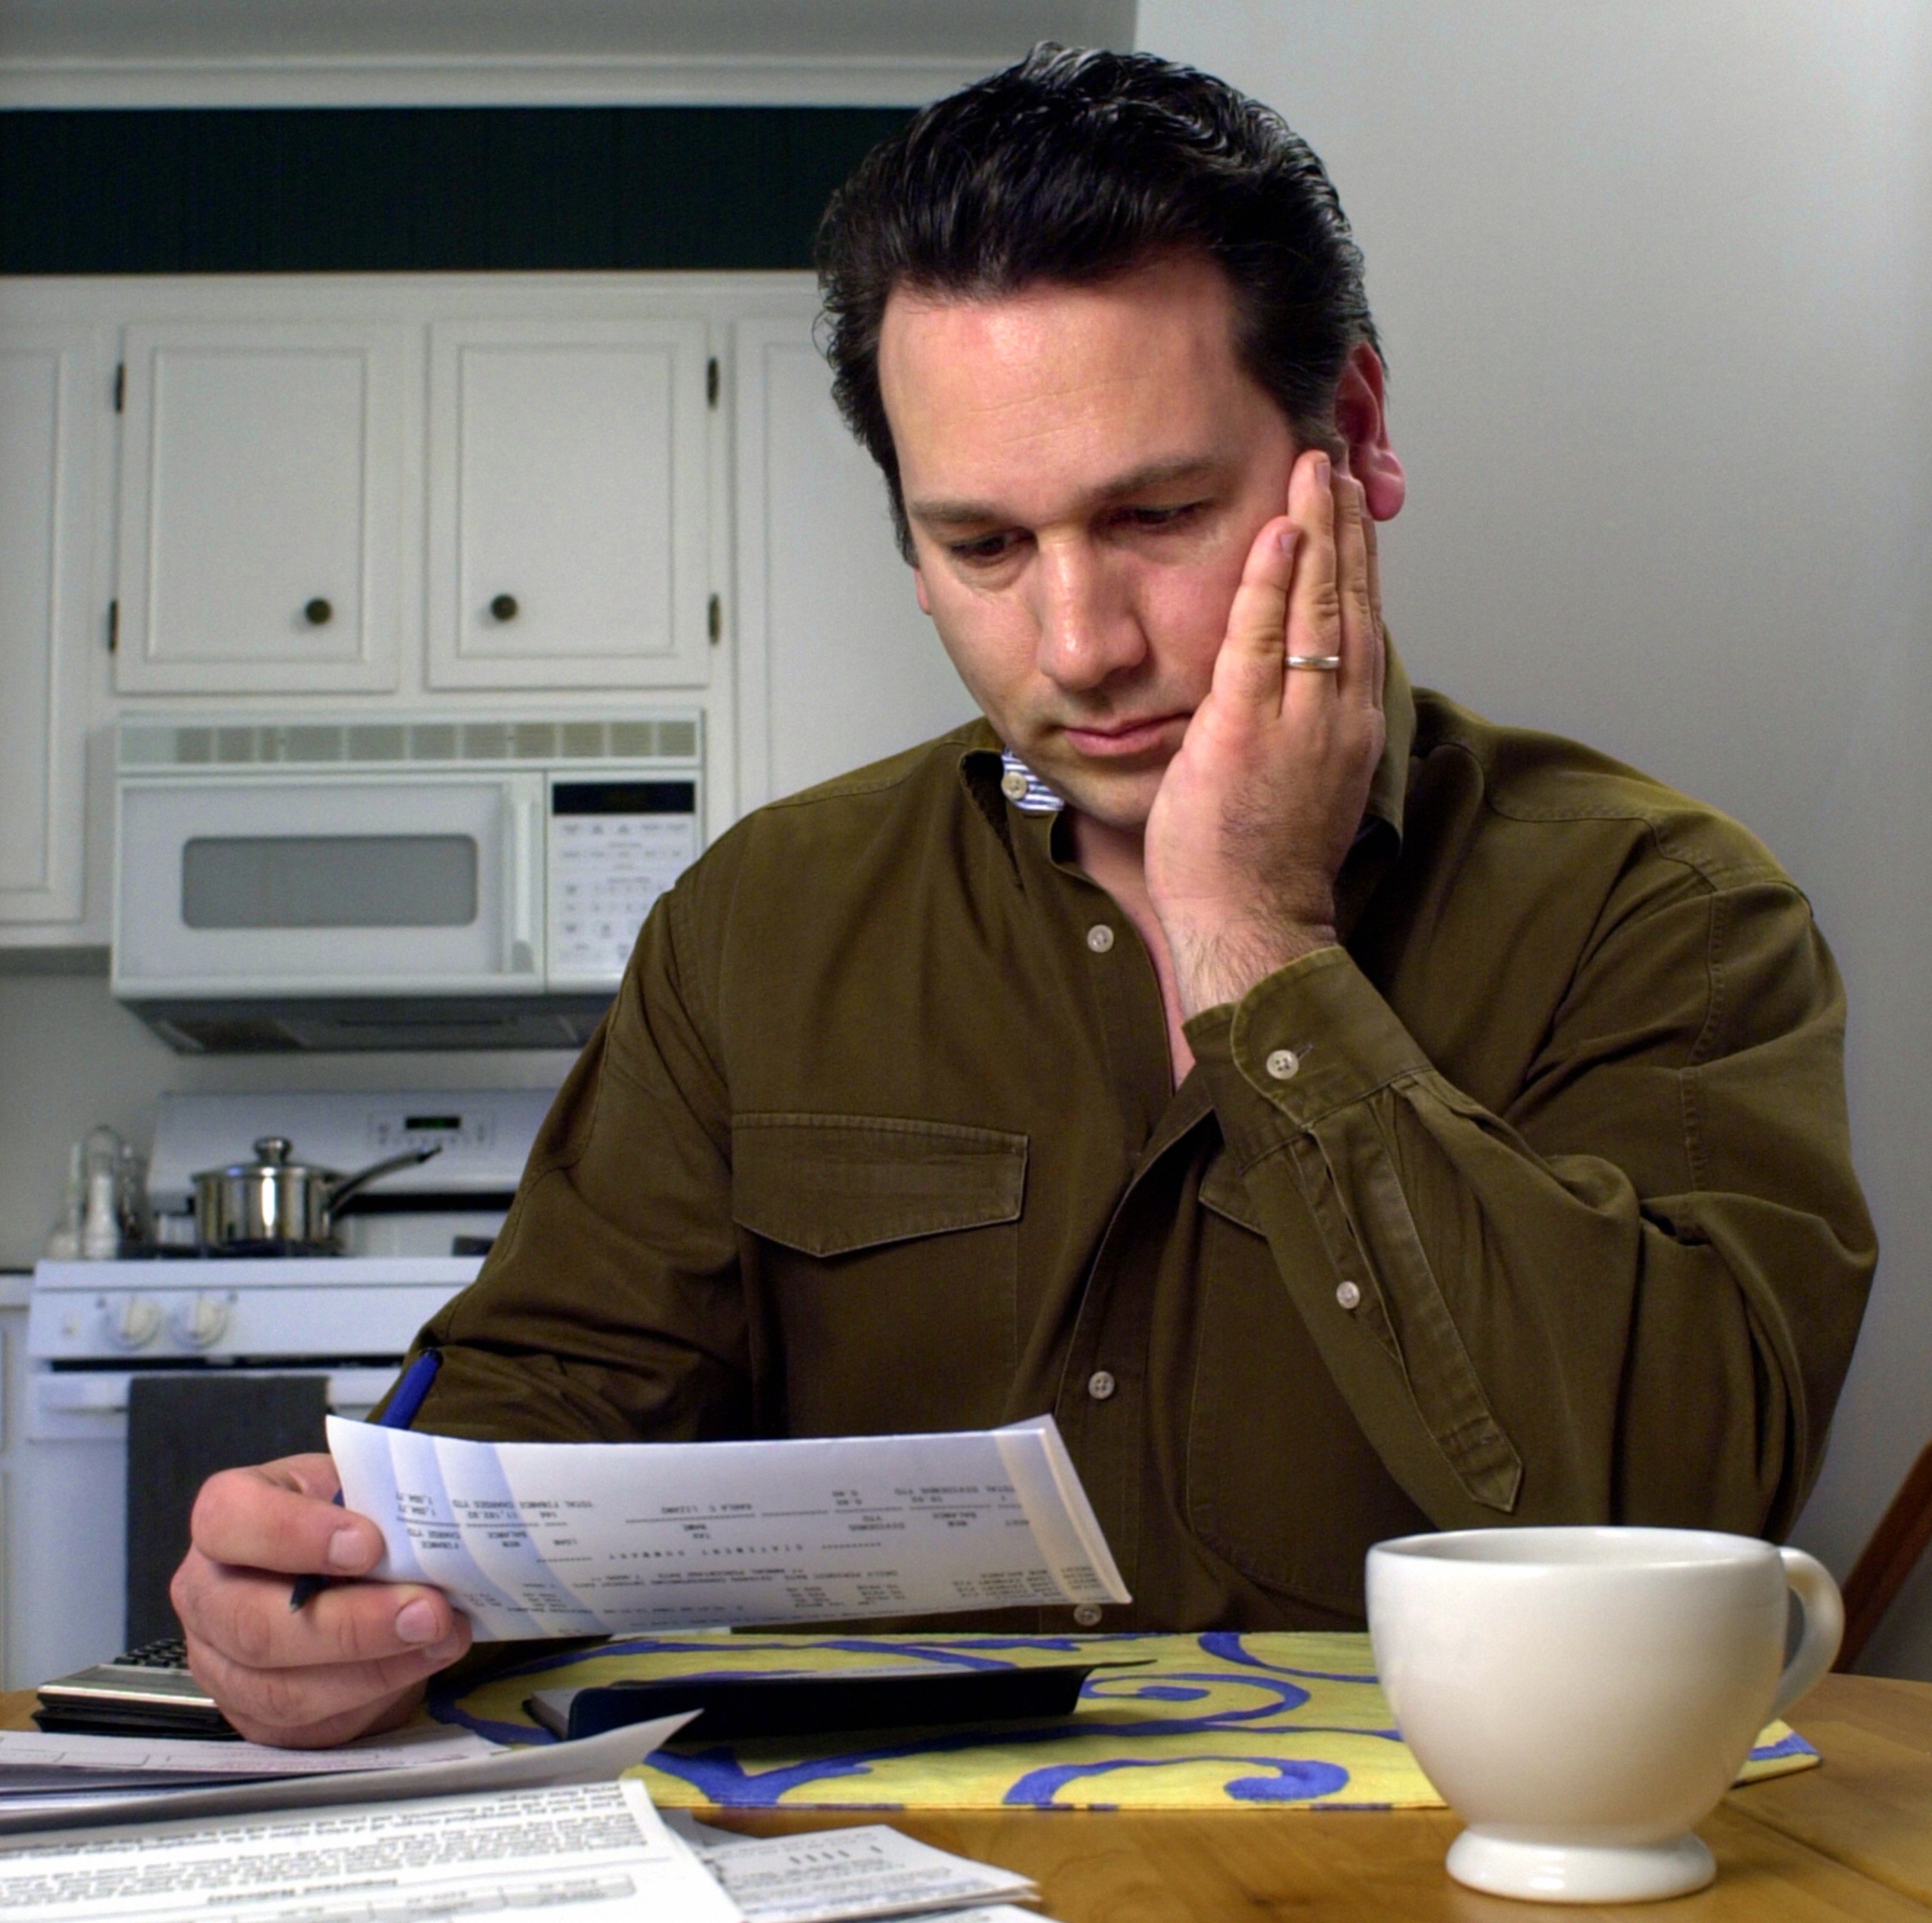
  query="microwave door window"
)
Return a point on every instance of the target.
[
  {"x": 329, "y": 881},
  {"x": 355, "y": 886}
]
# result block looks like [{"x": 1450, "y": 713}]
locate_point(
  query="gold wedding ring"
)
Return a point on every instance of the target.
[{"x": 1325, "y": 664}]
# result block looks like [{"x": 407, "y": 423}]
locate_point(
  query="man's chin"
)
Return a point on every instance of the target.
[{"x": 1118, "y": 798}]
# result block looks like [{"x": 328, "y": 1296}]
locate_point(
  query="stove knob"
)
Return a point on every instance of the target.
[
  {"x": 202, "y": 1323},
  {"x": 132, "y": 1323}
]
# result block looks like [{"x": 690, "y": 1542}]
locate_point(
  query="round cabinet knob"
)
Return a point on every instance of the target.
[
  {"x": 202, "y": 1323},
  {"x": 132, "y": 1323},
  {"x": 504, "y": 607},
  {"x": 318, "y": 614}
]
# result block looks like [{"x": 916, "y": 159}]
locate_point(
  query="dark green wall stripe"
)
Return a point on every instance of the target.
[{"x": 393, "y": 189}]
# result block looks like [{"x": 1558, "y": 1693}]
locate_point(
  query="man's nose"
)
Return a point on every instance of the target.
[{"x": 1088, "y": 630}]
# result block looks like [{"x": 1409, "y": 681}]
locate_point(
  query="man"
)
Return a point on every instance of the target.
[{"x": 1346, "y": 1116}]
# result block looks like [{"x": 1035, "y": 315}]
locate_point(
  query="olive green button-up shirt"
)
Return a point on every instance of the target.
[{"x": 1531, "y": 1202}]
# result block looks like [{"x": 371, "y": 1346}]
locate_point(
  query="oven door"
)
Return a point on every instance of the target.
[
  {"x": 289, "y": 886},
  {"x": 66, "y": 1585}
]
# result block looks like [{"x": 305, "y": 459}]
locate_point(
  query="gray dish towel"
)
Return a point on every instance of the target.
[{"x": 181, "y": 1430}]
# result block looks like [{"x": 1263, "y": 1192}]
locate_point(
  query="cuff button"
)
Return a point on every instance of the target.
[
  {"x": 1283, "y": 1064},
  {"x": 1087, "y": 1615}
]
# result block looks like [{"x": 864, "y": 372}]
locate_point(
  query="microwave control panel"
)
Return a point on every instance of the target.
[{"x": 614, "y": 846}]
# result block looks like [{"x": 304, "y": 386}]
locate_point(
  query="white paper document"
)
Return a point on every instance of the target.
[
  {"x": 564, "y": 1539},
  {"x": 31, "y": 1758},
  {"x": 596, "y": 1852},
  {"x": 418, "y": 1767},
  {"x": 844, "y": 1875}
]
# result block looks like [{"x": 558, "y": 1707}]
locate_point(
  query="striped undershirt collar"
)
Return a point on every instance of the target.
[{"x": 1024, "y": 789}]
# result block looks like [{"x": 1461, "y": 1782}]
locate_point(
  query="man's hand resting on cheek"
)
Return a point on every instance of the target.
[
  {"x": 1258, "y": 810},
  {"x": 355, "y": 1659}
]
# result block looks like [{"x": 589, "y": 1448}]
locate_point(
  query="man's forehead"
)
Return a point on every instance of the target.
[
  {"x": 1180, "y": 294},
  {"x": 1138, "y": 372}
]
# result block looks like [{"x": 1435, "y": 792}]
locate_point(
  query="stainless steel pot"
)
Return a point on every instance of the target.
[{"x": 273, "y": 1203}]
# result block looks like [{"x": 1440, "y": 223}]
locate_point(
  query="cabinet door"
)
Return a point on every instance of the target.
[
  {"x": 568, "y": 504},
  {"x": 836, "y": 664},
  {"x": 52, "y": 394},
  {"x": 263, "y": 496}
]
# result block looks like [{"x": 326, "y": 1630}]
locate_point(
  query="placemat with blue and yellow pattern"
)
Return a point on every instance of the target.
[{"x": 1217, "y": 1721}]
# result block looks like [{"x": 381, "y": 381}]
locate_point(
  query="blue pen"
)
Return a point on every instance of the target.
[{"x": 399, "y": 1415}]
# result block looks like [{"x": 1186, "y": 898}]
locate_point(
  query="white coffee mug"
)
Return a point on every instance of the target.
[{"x": 1581, "y": 1696}]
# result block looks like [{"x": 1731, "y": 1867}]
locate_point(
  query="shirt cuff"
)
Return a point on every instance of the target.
[{"x": 1312, "y": 1038}]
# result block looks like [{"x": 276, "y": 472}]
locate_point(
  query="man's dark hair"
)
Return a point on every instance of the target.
[{"x": 1075, "y": 166}]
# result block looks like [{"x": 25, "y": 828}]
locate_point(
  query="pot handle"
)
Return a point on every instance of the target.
[{"x": 339, "y": 1191}]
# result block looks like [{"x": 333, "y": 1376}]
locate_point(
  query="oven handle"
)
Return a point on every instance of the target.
[{"x": 104, "y": 1391}]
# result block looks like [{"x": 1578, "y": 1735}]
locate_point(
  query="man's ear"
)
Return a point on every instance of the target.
[
  {"x": 1361, "y": 423},
  {"x": 919, "y": 589}
]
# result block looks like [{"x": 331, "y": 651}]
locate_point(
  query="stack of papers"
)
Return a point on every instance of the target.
[
  {"x": 596, "y": 1852},
  {"x": 591, "y": 1853},
  {"x": 568, "y": 1539},
  {"x": 46, "y": 1781}
]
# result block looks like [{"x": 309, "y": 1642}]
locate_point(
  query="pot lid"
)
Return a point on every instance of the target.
[{"x": 273, "y": 1152}]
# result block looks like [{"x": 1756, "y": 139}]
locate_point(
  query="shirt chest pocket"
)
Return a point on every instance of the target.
[{"x": 885, "y": 1254}]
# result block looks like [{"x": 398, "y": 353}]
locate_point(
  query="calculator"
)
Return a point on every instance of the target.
[{"x": 144, "y": 1692}]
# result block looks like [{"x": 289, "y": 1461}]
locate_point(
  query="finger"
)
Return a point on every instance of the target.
[
  {"x": 1356, "y": 678},
  {"x": 1249, "y": 668},
  {"x": 1314, "y": 617},
  {"x": 245, "y": 1615},
  {"x": 279, "y": 1516},
  {"x": 1373, "y": 540},
  {"x": 303, "y": 1708}
]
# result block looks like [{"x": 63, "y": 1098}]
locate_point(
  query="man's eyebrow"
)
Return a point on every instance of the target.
[{"x": 939, "y": 512}]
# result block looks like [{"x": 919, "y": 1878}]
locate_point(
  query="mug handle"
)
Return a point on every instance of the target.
[{"x": 1824, "y": 1627}]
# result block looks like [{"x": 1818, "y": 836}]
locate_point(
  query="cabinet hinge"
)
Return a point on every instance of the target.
[
  {"x": 113, "y": 625},
  {"x": 711, "y": 382},
  {"x": 121, "y": 387},
  {"x": 714, "y": 619}
]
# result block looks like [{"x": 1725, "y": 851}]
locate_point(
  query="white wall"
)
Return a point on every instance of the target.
[{"x": 1654, "y": 279}]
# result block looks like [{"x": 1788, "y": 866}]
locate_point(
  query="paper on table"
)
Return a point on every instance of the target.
[
  {"x": 561, "y": 1539},
  {"x": 598, "y": 1851},
  {"x": 844, "y": 1875},
  {"x": 32, "y": 1759},
  {"x": 595, "y": 1759}
]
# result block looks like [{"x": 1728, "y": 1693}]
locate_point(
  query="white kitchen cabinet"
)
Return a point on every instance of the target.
[
  {"x": 569, "y": 496},
  {"x": 268, "y": 494},
  {"x": 836, "y": 664},
  {"x": 53, "y": 396}
]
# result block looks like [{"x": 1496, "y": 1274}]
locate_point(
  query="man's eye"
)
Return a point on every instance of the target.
[
  {"x": 983, "y": 549},
  {"x": 1163, "y": 517}
]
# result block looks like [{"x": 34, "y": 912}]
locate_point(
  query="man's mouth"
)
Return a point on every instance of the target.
[{"x": 1122, "y": 738}]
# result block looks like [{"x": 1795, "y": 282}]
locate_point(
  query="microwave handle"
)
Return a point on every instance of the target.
[{"x": 521, "y": 958}]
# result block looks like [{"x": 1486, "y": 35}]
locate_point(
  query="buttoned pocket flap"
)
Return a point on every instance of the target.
[
  {"x": 830, "y": 1184},
  {"x": 1223, "y": 1192}
]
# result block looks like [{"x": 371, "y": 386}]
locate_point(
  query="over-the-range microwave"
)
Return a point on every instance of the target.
[{"x": 428, "y": 883}]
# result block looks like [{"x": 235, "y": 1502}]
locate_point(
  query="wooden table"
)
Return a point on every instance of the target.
[{"x": 1851, "y": 1842}]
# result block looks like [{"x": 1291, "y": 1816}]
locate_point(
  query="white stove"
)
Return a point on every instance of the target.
[
  {"x": 92, "y": 1324},
  {"x": 93, "y": 1328}
]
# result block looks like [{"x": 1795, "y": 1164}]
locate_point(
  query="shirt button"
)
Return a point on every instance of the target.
[
  {"x": 1283, "y": 1064},
  {"x": 1012, "y": 785},
  {"x": 1087, "y": 1615},
  {"x": 1100, "y": 1385},
  {"x": 1347, "y": 1295},
  {"x": 1100, "y": 938}
]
